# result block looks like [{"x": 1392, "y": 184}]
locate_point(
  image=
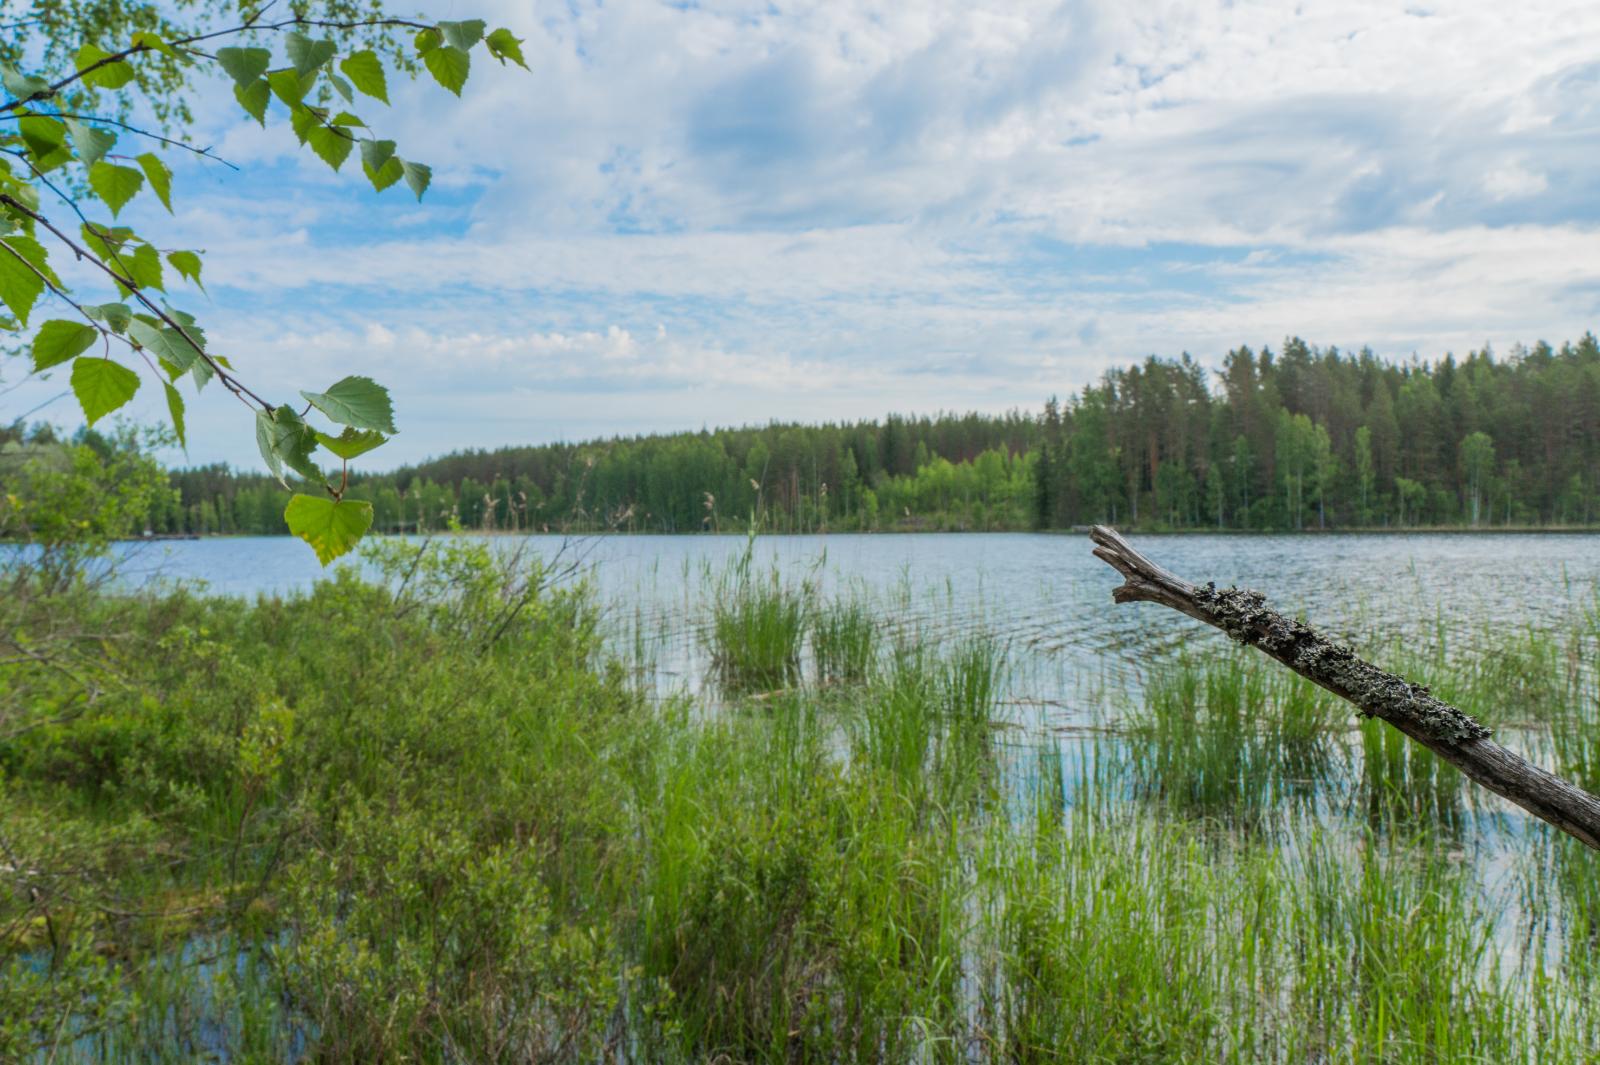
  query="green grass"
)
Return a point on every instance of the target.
[
  {"x": 844, "y": 642},
  {"x": 358, "y": 826},
  {"x": 757, "y": 630}
]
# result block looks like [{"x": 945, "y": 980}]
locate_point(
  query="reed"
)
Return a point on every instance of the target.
[{"x": 509, "y": 853}]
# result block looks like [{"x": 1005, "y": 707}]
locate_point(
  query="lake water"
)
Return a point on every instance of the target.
[{"x": 1045, "y": 595}]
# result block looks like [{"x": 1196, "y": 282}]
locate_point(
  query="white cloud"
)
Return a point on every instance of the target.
[
  {"x": 1513, "y": 182},
  {"x": 735, "y": 211}
]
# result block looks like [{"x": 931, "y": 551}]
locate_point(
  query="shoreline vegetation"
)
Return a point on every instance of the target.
[
  {"x": 1303, "y": 439},
  {"x": 435, "y": 817},
  {"x": 904, "y": 530}
]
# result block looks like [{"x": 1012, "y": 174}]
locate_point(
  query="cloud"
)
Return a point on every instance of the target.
[{"x": 727, "y": 212}]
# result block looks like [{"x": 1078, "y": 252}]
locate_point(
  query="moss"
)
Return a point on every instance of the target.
[{"x": 1244, "y": 615}]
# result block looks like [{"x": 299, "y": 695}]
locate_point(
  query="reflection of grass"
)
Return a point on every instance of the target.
[{"x": 405, "y": 847}]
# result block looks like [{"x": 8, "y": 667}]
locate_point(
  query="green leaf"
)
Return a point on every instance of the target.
[
  {"x": 175, "y": 408},
  {"x": 352, "y": 442},
  {"x": 26, "y": 195},
  {"x": 265, "y": 430},
  {"x": 19, "y": 85},
  {"x": 115, "y": 315},
  {"x": 386, "y": 175},
  {"x": 154, "y": 42},
  {"x": 502, "y": 45},
  {"x": 60, "y": 341},
  {"x": 463, "y": 35},
  {"x": 143, "y": 266},
  {"x": 357, "y": 401},
  {"x": 307, "y": 55},
  {"x": 418, "y": 176},
  {"x": 286, "y": 440},
  {"x": 331, "y": 146},
  {"x": 102, "y": 386},
  {"x": 303, "y": 120},
  {"x": 345, "y": 90},
  {"x": 45, "y": 137},
  {"x": 114, "y": 184},
  {"x": 331, "y": 527},
  {"x": 244, "y": 65},
  {"x": 366, "y": 74},
  {"x": 20, "y": 285},
  {"x": 449, "y": 66},
  {"x": 166, "y": 343},
  {"x": 187, "y": 263},
  {"x": 160, "y": 177},
  {"x": 289, "y": 86},
  {"x": 427, "y": 40},
  {"x": 375, "y": 154},
  {"x": 111, "y": 76},
  {"x": 349, "y": 121},
  {"x": 104, "y": 240},
  {"x": 92, "y": 144},
  {"x": 254, "y": 98}
]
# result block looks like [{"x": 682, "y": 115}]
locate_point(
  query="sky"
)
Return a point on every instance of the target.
[{"x": 694, "y": 215}]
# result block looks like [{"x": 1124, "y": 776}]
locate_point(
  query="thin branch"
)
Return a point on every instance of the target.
[
  {"x": 231, "y": 383},
  {"x": 204, "y": 153},
  {"x": 1451, "y": 734}
]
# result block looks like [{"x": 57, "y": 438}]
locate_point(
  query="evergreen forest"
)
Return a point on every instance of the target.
[{"x": 1299, "y": 438}]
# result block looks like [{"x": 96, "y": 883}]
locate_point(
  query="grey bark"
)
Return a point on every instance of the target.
[{"x": 1411, "y": 708}]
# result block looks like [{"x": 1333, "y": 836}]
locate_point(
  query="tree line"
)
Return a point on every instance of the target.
[{"x": 1299, "y": 438}]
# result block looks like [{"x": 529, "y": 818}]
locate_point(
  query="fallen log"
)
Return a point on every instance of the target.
[{"x": 1447, "y": 731}]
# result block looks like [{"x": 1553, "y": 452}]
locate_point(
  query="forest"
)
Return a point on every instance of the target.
[{"x": 1304, "y": 437}]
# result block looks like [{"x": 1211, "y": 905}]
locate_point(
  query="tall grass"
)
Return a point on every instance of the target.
[
  {"x": 504, "y": 853},
  {"x": 758, "y": 627},
  {"x": 844, "y": 642}
]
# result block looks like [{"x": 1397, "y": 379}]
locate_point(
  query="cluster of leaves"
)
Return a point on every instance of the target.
[{"x": 59, "y": 141}]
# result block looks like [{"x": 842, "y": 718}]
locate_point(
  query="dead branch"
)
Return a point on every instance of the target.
[{"x": 1411, "y": 708}]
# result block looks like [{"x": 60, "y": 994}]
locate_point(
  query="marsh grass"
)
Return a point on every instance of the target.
[
  {"x": 844, "y": 642},
  {"x": 758, "y": 628},
  {"x": 400, "y": 847},
  {"x": 1233, "y": 736}
]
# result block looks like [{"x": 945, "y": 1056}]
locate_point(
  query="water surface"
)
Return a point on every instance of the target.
[{"x": 1045, "y": 595}]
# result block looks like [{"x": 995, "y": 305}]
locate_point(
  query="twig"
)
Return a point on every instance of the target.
[{"x": 202, "y": 152}]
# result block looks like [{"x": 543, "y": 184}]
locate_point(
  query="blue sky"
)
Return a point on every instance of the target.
[{"x": 710, "y": 214}]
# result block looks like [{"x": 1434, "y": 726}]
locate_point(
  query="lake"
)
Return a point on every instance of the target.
[{"x": 1045, "y": 595}]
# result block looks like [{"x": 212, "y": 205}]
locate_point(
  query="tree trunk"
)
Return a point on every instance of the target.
[{"x": 1443, "y": 729}]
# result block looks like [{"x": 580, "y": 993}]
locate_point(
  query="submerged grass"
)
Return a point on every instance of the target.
[{"x": 359, "y": 825}]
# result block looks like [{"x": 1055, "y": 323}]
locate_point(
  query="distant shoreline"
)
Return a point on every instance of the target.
[{"x": 1443, "y": 530}]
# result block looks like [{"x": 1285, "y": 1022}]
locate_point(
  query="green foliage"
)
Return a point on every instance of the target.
[
  {"x": 71, "y": 500},
  {"x": 114, "y": 184},
  {"x": 366, "y": 74},
  {"x": 22, "y": 279},
  {"x": 352, "y": 443},
  {"x": 359, "y": 402},
  {"x": 758, "y": 625},
  {"x": 331, "y": 526},
  {"x": 74, "y": 114},
  {"x": 503, "y": 46},
  {"x": 426, "y": 819},
  {"x": 161, "y": 183},
  {"x": 102, "y": 385},
  {"x": 60, "y": 341}
]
